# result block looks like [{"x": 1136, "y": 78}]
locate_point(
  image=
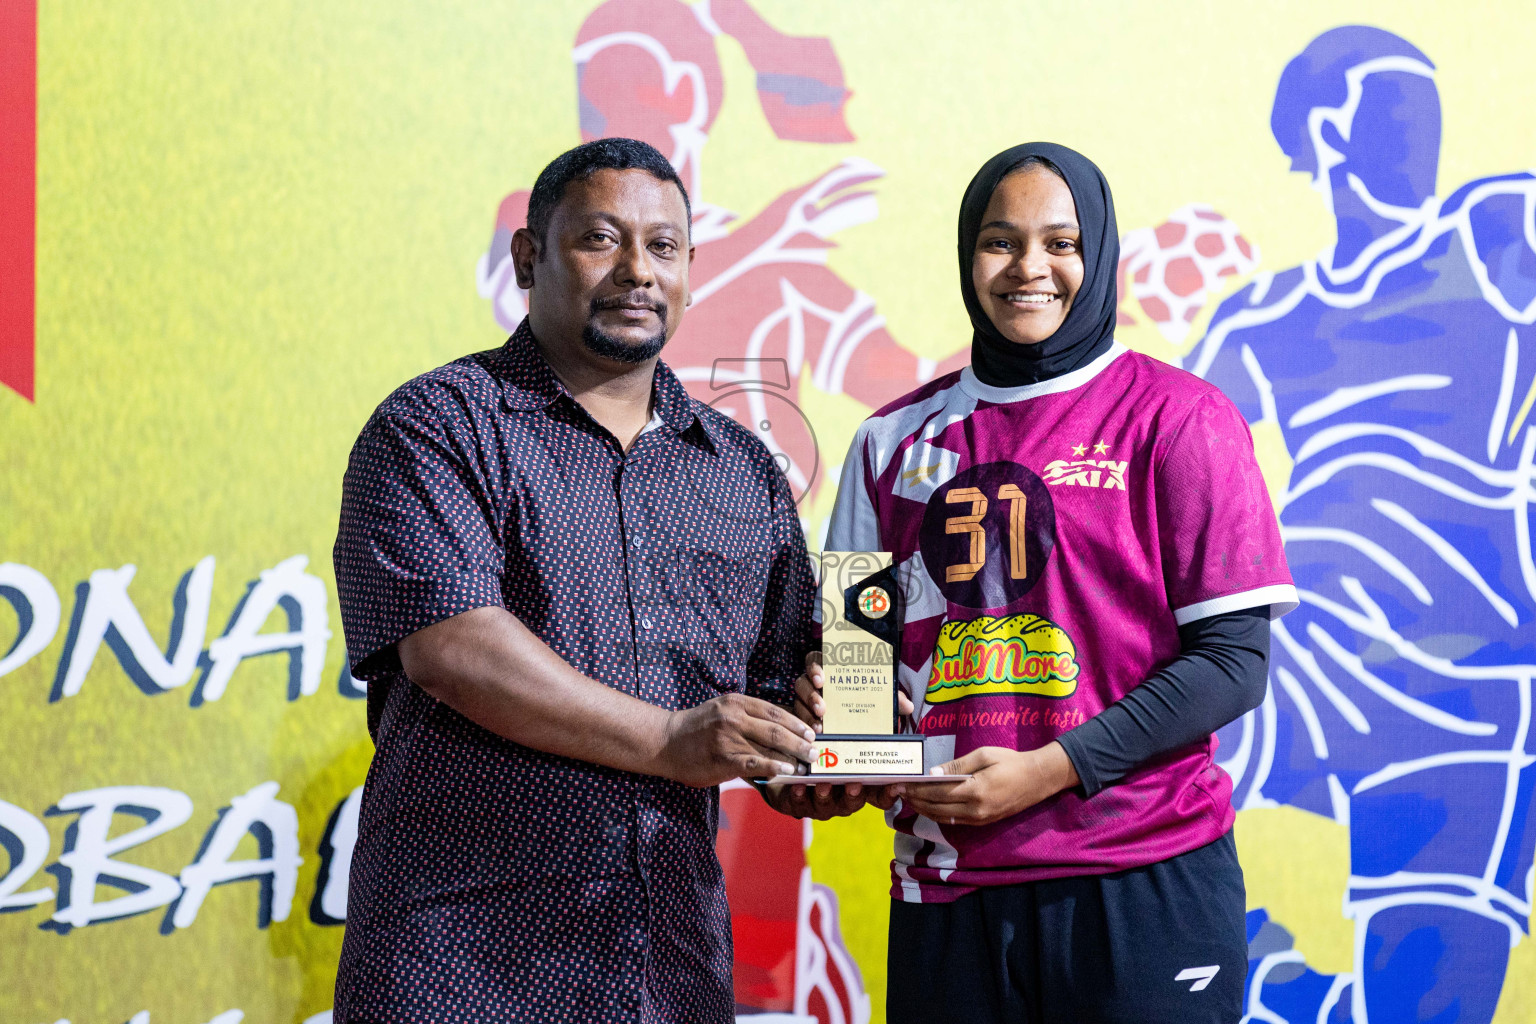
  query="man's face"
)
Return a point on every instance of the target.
[{"x": 612, "y": 274}]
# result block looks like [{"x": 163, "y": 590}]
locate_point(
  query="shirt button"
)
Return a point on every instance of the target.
[{"x": 645, "y": 623}]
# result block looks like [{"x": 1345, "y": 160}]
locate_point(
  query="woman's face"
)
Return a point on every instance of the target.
[{"x": 1028, "y": 264}]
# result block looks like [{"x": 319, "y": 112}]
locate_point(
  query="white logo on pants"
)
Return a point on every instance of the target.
[{"x": 1201, "y": 976}]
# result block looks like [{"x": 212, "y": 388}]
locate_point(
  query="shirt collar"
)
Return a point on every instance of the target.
[{"x": 528, "y": 383}]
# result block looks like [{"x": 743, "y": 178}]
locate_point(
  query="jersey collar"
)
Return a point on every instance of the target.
[{"x": 1066, "y": 382}]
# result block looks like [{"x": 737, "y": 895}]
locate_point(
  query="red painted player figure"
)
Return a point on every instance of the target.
[{"x": 767, "y": 311}]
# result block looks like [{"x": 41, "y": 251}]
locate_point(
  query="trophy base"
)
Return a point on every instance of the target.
[
  {"x": 837, "y": 756},
  {"x": 867, "y": 780}
]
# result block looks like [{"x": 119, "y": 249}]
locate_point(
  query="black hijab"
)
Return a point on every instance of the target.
[{"x": 1089, "y": 327}]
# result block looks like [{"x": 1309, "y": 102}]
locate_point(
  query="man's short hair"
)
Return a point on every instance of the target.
[{"x": 586, "y": 160}]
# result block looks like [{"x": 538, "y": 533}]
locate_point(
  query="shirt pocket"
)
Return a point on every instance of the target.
[{"x": 704, "y": 618}]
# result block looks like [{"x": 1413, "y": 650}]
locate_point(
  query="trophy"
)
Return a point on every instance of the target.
[{"x": 860, "y": 644}]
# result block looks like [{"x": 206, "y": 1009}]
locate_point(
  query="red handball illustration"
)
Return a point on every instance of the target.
[
  {"x": 768, "y": 314},
  {"x": 18, "y": 194},
  {"x": 1172, "y": 269}
]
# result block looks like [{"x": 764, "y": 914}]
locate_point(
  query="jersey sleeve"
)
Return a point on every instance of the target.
[
  {"x": 1217, "y": 531},
  {"x": 855, "y": 523},
  {"x": 417, "y": 542}
]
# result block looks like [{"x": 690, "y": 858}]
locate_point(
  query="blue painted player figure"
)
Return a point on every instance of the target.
[{"x": 1399, "y": 367}]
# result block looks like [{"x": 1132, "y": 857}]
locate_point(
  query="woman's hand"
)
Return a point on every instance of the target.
[{"x": 1003, "y": 782}]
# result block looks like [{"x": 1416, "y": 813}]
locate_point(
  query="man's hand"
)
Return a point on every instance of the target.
[
  {"x": 809, "y": 707},
  {"x": 821, "y": 800},
  {"x": 1003, "y": 783},
  {"x": 732, "y": 736}
]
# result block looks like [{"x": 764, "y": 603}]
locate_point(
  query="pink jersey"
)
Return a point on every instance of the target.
[{"x": 1050, "y": 540}]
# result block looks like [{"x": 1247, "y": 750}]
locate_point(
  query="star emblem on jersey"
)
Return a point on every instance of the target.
[
  {"x": 1079, "y": 449},
  {"x": 1100, "y": 448}
]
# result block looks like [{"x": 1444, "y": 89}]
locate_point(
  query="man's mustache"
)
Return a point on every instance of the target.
[{"x": 634, "y": 300}]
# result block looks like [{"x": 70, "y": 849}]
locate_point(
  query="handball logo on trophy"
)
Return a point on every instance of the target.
[{"x": 874, "y": 602}]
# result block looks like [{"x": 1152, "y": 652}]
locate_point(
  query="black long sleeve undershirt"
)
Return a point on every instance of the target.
[{"x": 1220, "y": 674}]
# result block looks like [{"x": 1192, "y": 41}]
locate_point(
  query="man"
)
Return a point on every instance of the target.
[
  {"x": 1397, "y": 369},
  {"x": 577, "y": 595}
]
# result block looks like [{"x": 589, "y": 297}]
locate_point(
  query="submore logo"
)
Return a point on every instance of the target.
[{"x": 1023, "y": 654}]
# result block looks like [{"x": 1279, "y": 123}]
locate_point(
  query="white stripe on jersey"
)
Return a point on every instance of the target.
[
  {"x": 885, "y": 433},
  {"x": 1280, "y": 598},
  {"x": 853, "y": 525}
]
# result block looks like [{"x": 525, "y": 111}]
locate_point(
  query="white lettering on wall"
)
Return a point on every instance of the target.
[
  {"x": 110, "y": 615},
  {"x": 37, "y": 607},
  {"x": 275, "y": 825},
  {"x": 301, "y": 596},
  {"x": 88, "y": 857},
  {"x": 337, "y": 856},
  {"x": 26, "y": 840}
]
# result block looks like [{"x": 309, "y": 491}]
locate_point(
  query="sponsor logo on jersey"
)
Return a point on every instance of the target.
[
  {"x": 921, "y": 474},
  {"x": 1022, "y": 654},
  {"x": 1106, "y": 473}
]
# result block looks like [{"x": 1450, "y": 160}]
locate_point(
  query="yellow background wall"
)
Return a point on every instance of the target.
[{"x": 254, "y": 220}]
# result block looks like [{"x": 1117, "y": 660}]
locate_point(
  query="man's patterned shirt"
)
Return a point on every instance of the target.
[{"x": 491, "y": 881}]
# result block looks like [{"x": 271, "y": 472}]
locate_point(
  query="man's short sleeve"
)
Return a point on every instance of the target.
[
  {"x": 1217, "y": 531},
  {"x": 419, "y": 539}
]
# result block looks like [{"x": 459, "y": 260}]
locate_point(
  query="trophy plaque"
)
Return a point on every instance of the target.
[{"x": 860, "y": 739}]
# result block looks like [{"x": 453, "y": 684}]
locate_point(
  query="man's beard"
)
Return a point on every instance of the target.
[{"x": 610, "y": 347}]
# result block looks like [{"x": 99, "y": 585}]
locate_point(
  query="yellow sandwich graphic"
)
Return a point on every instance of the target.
[{"x": 1018, "y": 654}]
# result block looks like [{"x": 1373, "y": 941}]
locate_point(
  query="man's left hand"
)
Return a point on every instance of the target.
[{"x": 1003, "y": 782}]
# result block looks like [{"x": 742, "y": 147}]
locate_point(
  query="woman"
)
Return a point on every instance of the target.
[{"x": 1090, "y": 561}]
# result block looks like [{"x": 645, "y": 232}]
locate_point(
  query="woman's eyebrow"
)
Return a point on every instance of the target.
[{"x": 1010, "y": 226}]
